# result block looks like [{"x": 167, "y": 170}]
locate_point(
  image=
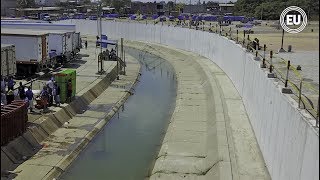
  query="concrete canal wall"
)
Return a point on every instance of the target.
[{"x": 288, "y": 142}]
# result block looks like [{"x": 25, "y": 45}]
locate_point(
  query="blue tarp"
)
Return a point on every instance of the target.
[
  {"x": 107, "y": 42},
  {"x": 211, "y": 18},
  {"x": 111, "y": 15},
  {"x": 133, "y": 17},
  {"x": 144, "y": 17},
  {"x": 248, "y": 25},
  {"x": 93, "y": 17},
  {"x": 181, "y": 17},
  {"x": 155, "y": 16}
]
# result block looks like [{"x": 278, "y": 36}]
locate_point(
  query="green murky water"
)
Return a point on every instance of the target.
[{"x": 125, "y": 149}]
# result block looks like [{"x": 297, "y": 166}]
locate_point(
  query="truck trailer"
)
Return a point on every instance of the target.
[
  {"x": 8, "y": 60},
  {"x": 76, "y": 41},
  {"x": 61, "y": 45},
  {"x": 31, "y": 49}
]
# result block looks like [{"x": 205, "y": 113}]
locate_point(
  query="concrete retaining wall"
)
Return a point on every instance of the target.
[
  {"x": 27, "y": 145},
  {"x": 288, "y": 142}
]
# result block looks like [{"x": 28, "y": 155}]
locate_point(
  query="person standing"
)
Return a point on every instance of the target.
[
  {"x": 3, "y": 98},
  {"x": 29, "y": 96},
  {"x": 3, "y": 85},
  {"x": 86, "y": 44},
  {"x": 22, "y": 93},
  {"x": 56, "y": 94},
  {"x": 10, "y": 96},
  {"x": 69, "y": 90},
  {"x": 44, "y": 97},
  {"x": 50, "y": 85},
  {"x": 11, "y": 83}
]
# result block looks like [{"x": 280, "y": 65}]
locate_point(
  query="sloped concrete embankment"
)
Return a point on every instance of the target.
[
  {"x": 64, "y": 145},
  {"x": 30, "y": 142},
  {"x": 204, "y": 139}
]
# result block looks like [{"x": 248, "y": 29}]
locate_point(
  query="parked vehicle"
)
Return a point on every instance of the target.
[
  {"x": 72, "y": 39},
  {"x": 31, "y": 49}
]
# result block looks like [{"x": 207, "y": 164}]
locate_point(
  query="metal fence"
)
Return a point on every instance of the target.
[
  {"x": 306, "y": 94},
  {"x": 284, "y": 71}
]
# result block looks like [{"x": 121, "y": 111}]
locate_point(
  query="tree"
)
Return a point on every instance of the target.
[{"x": 271, "y": 9}]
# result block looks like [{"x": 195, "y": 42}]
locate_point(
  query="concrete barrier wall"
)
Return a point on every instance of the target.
[{"x": 288, "y": 142}]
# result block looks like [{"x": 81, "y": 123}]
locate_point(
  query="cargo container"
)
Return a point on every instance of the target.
[
  {"x": 14, "y": 119},
  {"x": 31, "y": 49},
  {"x": 8, "y": 60},
  {"x": 74, "y": 43},
  {"x": 62, "y": 80},
  {"x": 60, "y": 44}
]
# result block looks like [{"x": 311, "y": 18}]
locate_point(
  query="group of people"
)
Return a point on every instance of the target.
[
  {"x": 7, "y": 96},
  {"x": 49, "y": 94}
]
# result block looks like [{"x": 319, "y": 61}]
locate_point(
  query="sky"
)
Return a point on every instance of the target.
[{"x": 187, "y": 1}]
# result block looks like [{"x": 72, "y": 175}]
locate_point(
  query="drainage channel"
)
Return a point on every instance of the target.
[{"x": 127, "y": 146}]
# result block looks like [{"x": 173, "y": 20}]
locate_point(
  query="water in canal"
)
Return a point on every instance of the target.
[{"x": 125, "y": 149}]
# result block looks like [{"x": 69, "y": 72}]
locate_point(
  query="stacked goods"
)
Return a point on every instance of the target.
[
  {"x": 62, "y": 80},
  {"x": 14, "y": 119},
  {"x": 8, "y": 60}
]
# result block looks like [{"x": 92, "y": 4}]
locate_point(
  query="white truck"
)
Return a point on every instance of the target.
[
  {"x": 8, "y": 60},
  {"x": 76, "y": 42},
  {"x": 32, "y": 51},
  {"x": 61, "y": 45}
]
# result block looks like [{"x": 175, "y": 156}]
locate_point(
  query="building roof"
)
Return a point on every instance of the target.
[
  {"x": 226, "y": 5},
  {"x": 40, "y": 9},
  {"x": 21, "y": 32},
  {"x": 6, "y": 45}
]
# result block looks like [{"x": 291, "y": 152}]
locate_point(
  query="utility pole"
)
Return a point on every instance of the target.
[{"x": 99, "y": 22}]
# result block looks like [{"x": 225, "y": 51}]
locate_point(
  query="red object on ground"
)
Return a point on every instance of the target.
[{"x": 14, "y": 119}]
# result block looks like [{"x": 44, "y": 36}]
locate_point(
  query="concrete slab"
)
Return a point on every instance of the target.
[{"x": 24, "y": 172}]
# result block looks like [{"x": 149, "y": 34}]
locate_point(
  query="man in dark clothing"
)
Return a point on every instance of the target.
[
  {"x": 56, "y": 94},
  {"x": 29, "y": 95},
  {"x": 11, "y": 83},
  {"x": 10, "y": 96},
  {"x": 86, "y": 44},
  {"x": 69, "y": 90},
  {"x": 22, "y": 93}
]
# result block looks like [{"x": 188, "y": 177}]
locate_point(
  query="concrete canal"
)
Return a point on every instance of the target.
[{"x": 127, "y": 146}]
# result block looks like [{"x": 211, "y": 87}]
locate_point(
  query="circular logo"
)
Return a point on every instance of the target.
[{"x": 286, "y": 19}]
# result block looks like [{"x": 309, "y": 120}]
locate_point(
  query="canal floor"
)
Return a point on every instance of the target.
[{"x": 127, "y": 146}]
